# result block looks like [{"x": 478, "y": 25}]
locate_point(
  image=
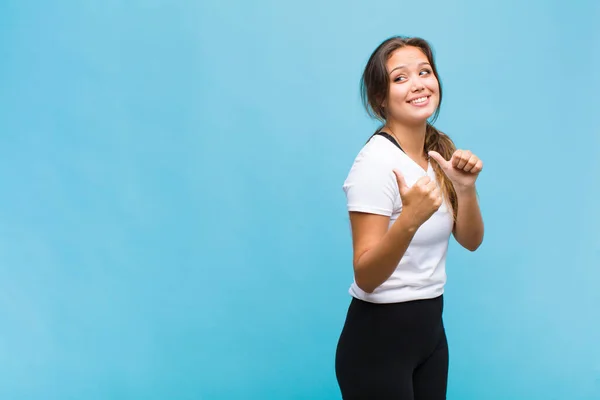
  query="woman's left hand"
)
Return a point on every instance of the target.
[{"x": 462, "y": 169}]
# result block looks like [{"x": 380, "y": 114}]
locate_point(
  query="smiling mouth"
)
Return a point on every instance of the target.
[{"x": 420, "y": 100}]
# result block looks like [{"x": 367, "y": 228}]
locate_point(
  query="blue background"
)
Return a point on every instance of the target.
[{"x": 172, "y": 224}]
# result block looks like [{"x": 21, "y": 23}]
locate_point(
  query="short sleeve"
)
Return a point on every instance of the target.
[{"x": 371, "y": 187}]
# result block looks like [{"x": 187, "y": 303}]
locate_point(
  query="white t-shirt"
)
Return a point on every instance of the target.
[{"x": 371, "y": 187}]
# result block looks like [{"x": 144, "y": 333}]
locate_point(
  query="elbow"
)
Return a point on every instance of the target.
[
  {"x": 470, "y": 242},
  {"x": 472, "y": 246},
  {"x": 365, "y": 287},
  {"x": 361, "y": 278}
]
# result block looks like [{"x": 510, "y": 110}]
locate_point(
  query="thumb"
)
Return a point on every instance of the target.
[
  {"x": 402, "y": 186},
  {"x": 438, "y": 158}
]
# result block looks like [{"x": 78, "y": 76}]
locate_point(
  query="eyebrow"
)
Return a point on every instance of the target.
[{"x": 404, "y": 66}]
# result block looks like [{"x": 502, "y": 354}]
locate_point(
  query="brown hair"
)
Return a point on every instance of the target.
[{"x": 374, "y": 88}]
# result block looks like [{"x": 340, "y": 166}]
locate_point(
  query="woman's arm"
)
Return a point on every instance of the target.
[
  {"x": 468, "y": 227},
  {"x": 462, "y": 170},
  {"x": 377, "y": 250}
]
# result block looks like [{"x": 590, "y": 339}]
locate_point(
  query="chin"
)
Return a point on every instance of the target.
[{"x": 420, "y": 117}]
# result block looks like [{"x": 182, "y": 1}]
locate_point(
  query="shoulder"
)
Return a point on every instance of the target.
[
  {"x": 377, "y": 154},
  {"x": 371, "y": 184}
]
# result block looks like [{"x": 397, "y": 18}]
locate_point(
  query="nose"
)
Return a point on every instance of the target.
[{"x": 417, "y": 85}]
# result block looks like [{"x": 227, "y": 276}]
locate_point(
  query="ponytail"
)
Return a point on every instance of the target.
[{"x": 441, "y": 143}]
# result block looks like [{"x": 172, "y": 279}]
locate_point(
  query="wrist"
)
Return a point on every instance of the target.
[
  {"x": 467, "y": 190},
  {"x": 408, "y": 220}
]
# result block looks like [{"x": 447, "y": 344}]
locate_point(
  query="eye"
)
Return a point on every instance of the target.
[
  {"x": 400, "y": 78},
  {"x": 425, "y": 72}
]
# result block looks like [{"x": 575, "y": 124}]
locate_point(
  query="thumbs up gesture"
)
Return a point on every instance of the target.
[
  {"x": 462, "y": 169},
  {"x": 421, "y": 200}
]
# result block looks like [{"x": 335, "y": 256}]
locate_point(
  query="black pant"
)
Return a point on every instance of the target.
[{"x": 393, "y": 351}]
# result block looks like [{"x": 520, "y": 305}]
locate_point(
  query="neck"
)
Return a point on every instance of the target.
[{"x": 411, "y": 138}]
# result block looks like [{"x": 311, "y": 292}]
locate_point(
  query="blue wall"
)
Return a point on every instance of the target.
[{"x": 172, "y": 224}]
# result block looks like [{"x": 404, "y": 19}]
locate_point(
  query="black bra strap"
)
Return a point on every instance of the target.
[{"x": 390, "y": 138}]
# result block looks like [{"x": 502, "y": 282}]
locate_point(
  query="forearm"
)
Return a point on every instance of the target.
[
  {"x": 468, "y": 228},
  {"x": 377, "y": 264}
]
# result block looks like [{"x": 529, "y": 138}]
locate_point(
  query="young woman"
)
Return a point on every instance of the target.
[{"x": 408, "y": 190}]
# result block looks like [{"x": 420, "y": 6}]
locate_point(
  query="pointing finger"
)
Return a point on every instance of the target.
[
  {"x": 402, "y": 187},
  {"x": 438, "y": 158}
]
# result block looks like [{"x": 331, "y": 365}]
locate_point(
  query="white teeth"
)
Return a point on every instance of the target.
[{"x": 419, "y": 100}]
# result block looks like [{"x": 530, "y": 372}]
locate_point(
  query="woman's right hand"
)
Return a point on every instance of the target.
[{"x": 421, "y": 200}]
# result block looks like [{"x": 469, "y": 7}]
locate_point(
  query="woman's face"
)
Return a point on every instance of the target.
[{"x": 414, "y": 90}]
